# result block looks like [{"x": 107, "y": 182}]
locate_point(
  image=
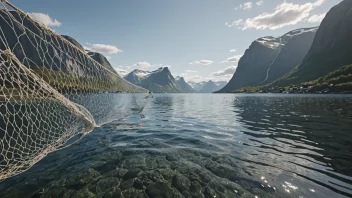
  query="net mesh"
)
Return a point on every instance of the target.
[{"x": 50, "y": 91}]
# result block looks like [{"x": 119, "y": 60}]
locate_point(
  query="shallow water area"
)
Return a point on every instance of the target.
[{"x": 206, "y": 145}]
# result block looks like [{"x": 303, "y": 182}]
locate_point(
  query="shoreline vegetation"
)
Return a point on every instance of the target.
[{"x": 337, "y": 82}]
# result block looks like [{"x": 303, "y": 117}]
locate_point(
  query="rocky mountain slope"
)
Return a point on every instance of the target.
[
  {"x": 269, "y": 58},
  {"x": 292, "y": 53},
  {"x": 180, "y": 81},
  {"x": 158, "y": 81},
  {"x": 52, "y": 57},
  {"x": 96, "y": 56},
  {"x": 331, "y": 48}
]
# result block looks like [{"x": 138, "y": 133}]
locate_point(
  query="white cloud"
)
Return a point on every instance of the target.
[
  {"x": 238, "y": 22},
  {"x": 45, "y": 19},
  {"x": 233, "y": 59},
  {"x": 226, "y": 72},
  {"x": 316, "y": 18},
  {"x": 108, "y": 57},
  {"x": 191, "y": 71},
  {"x": 202, "y": 62},
  {"x": 233, "y": 50},
  {"x": 122, "y": 72},
  {"x": 259, "y": 3},
  {"x": 285, "y": 14},
  {"x": 142, "y": 65},
  {"x": 104, "y": 49},
  {"x": 194, "y": 78},
  {"x": 246, "y": 6}
]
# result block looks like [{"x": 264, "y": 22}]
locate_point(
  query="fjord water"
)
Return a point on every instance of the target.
[{"x": 222, "y": 145}]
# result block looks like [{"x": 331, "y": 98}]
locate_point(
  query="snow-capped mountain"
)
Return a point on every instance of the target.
[
  {"x": 136, "y": 76},
  {"x": 277, "y": 42},
  {"x": 159, "y": 81},
  {"x": 196, "y": 85},
  {"x": 207, "y": 86},
  {"x": 211, "y": 86},
  {"x": 269, "y": 58}
]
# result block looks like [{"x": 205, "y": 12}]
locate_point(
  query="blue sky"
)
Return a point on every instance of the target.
[{"x": 198, "y": 39}]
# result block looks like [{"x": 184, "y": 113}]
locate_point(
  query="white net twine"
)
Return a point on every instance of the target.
[{"x": 50, "y": 91}]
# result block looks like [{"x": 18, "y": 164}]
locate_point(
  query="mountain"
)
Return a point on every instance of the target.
[
  {"x": 197, "y": 85},
  {"x": 137, "y": 76},
  {"x": 292, "y": 53},
  {"x": 52, "y": 57},
  {"x": 331, "y": 48},
  {"x": 96, "y": 56},
  {"x": 180, "y": 81},
  {"x": 73, "y": 41},
  {"x": 159, "y": 81},
  {"x": 269, "y": 58},
  {"x": 211, "y": 86}
]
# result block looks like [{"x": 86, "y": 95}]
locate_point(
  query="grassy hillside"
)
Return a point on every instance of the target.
[{"x": 337, "y": 81}]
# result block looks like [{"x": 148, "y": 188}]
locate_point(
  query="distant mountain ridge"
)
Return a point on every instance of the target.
[
  {"x": 158, "y": 81},
  {"x": 184, "y": 85},
  {"x": 196, "y": 85},
  {"x": 269, "y": 58},
  {"x": 211, "y": 86},
  {"x": 207, "y": 86}
]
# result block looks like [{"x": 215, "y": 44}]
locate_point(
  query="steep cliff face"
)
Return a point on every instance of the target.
[
  {"x": 252, "y": 67},
  {"x": 292, "y": 53},
  {"x": 73, "y": 41},
  {"x": 331, "y": 48},
  {"x": 159, "y": 81},
  {"x": 101, "y": 59},
  {"x": 269, "y": 58},
  {"x": 180, "y": 81}
]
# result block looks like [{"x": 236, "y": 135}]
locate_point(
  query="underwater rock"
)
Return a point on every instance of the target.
[
  {"x": 109, "y": 166},
  {"x": 127, "y": 184},
  {"x": 84, "y": 193},
  {"x": 106, "y": 183},
  {"x": 133, "y": 193},
  {"x": 210, "y": 193},
  {"x": 113, "y": 193},
  {"x": 181, "y": 182},
  {"x": 122, "y": 172},
  {"x": 132, "y": 174},
  {"x": 82, "y": 178},
  {"x": 167, "y": 174},
  {"x": 153, "y": 175},
  {"x": 54, "y": 192},
  {"x": 161, "y": 189},
  {"x": 196, "y": 189},
  {"x": 171, "y": 157},
  {"x": 138, "y": 184}
]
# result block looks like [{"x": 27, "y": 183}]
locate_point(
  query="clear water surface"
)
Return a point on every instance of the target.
[{"x": 206, "y": 145}]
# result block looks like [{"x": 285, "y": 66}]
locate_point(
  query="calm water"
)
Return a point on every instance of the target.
[{"x": 206, "y": 145}]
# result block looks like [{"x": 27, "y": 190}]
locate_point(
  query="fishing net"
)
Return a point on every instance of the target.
[{"x": 51, "y": 90}]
